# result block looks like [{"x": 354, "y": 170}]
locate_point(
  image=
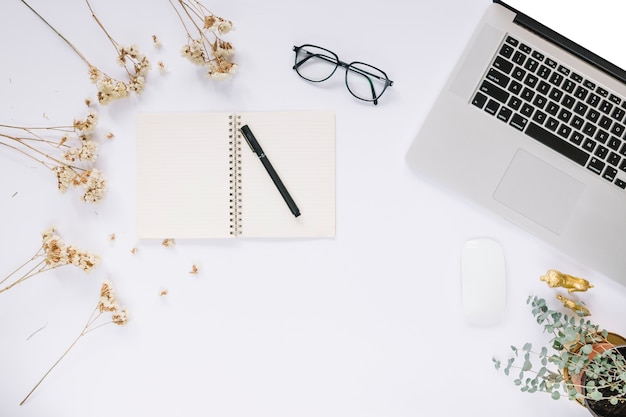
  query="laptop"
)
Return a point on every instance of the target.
[{"x": 532, "y": 125}]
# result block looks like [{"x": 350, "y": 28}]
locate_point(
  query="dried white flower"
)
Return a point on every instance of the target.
[{"x": 95, "y": 185}]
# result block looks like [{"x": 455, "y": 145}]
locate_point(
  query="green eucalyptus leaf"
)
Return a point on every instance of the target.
[
  {"x": 527, "y": 366},
  {"x": 595, "y": 395},
  {"x": 586, "y": 349}
]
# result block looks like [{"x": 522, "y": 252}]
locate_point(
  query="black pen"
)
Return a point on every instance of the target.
[{"x": 256, "y": 148}]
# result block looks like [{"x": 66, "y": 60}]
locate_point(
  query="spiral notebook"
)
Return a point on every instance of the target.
[{"x": 197, "y": 177}]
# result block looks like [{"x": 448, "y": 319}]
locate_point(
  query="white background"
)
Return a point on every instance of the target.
[{"x": 366, "y": 324}]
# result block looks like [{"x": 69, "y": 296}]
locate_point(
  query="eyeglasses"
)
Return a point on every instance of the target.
[{"x": 364, "y": 81}]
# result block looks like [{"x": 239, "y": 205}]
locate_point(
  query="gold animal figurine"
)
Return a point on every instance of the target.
[
  {"x": 576, "y": 307},
  {"x": 555, "y": 278}
]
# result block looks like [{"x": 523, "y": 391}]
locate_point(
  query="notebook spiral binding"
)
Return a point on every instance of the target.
[{"x": 235, "y": 174}]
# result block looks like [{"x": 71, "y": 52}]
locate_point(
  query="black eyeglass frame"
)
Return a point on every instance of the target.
[{"x": 348, "y": 67}]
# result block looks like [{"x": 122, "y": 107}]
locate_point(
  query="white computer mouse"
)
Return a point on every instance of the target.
[{"x": 483, "y": 279}]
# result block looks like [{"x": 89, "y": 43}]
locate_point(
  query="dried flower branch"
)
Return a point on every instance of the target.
[
  {"x": 107, "y": 303},
  {"x": 53, "y": 253},
  {"x": 204, "y": 45},
  {"x": 135, "y": 64},
  {"x": 68, "y": 151}
]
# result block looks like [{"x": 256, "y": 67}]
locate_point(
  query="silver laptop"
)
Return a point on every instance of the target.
[{"x": 532, "y": 126}]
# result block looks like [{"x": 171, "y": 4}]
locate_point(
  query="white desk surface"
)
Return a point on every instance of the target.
[{"x": 366, "y": 324}]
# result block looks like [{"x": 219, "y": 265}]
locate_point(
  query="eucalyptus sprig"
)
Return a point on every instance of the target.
[{"x": 576, "y": 347}]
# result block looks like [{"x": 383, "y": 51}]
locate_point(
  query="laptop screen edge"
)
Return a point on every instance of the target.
[{"x": 572, "y": 47}]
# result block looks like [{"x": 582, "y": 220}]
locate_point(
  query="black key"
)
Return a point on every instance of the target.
[
  {"x": 589, "y": 129},
  {"x": 564, "y": 70},
  {"x": 605, "y": 122},
  {"x": 602, "y": 92},
  {"x": 492, "y": 107},
  {"x": 518, "y": 58},
  {"x": 554, "y": 142},
  {"x": 552, "y": 124},
  {"x": 615, "y": 99},
  {"x": 538, "y": 56},
  {"x": 527, "y": 94},
  {"x": 544, "y": 72},
  {"x": 577, "y": 122},
  {"x": 593, "y": 99},
  {"x": 556, "y": 94},
  {"x": 605, "y": 107},
  {"x": 525, "y": 48},
  {"x": 581, "y": 93},
  {"x": 514, "y": 103},
  {"x": 540, "y": 101},
  {"x": 577, "y": 138},
  {"x": 568, "y": 101},
  {"x": 503, "y": 65},
  {"x": 602, "y": 136},
  {"x": 531, "y": 80},
  {"x": 556, "y": 78},
  {"x": 518, "y": 122},
  {"x": 613, "y": 159},
  {"x": 576, "y": 77},
  {"x": 512, "y": 41},
  {"x": 551, "y": 63},
  {"x": 506, "y": 51},
  {"x": 618, "y": 114},
  {"x": 540, "y": 117},
  {"x": 596, "y": 165},
  {"x": 531, "y": 65},
  {"x": 601, "y": 152},
  {"x": 569, "y": 86},
  {"x": 543, "y": 88},
  {"x": 494, "y": 91},
  {"x": 518, "y": 73},
  {"x": 505, "y": 114},
  {"x": 623, "y": 149},
  {"x": 580, "y": 108},
  {"x": 564, "y": 131},
  {"x": 515, "y": 87},
  {"x": 565, "y": 115},
  {"x": 621, "y": 184},
  {"x": 614, "y": 143},
  {"x": 589, "y": 84},
  {"x": 527, "y": 110},
  {"x": 552, "y": 108},
  {"x": 593, "y": 115},
  {"x": 589, "y": 145},
  {"x": 609, "y": 174},
  {"x": 623, "y": 165},
  {"x": 618, "y": 129},
  {"x": 498, "y": 78}
]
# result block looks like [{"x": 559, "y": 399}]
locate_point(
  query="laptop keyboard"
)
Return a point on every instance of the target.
[{"x": 554, "y": 105}]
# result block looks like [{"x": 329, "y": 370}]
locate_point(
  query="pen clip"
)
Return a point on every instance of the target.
[{"x": 247, "y": 134}]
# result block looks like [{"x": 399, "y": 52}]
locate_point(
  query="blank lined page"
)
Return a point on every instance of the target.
[
  {"x": 301, "y": 148},
  {"x": 183, "y": 175}
]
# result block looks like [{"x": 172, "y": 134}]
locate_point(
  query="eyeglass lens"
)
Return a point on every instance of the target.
[
  {"x": 365, "y": 81},
  {"x": 315, "y": 64}
]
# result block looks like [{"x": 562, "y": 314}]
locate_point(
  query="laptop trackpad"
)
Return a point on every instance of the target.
[{"x": 539, "y": 191}]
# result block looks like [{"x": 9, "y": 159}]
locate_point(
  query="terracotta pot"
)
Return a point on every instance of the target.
[{"x": 603, "y": 408}]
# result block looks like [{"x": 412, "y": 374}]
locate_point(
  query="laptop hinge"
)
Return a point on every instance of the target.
[{"x": 563, "y": 42}]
